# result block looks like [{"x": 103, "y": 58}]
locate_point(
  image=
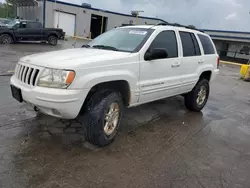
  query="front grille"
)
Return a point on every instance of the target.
[{"x": 26, "y": 74}]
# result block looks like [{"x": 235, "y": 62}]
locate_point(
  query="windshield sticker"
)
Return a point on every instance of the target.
[{"x": 134, "y": 32}]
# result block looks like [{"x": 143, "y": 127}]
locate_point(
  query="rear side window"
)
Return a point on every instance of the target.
[
  {"x": 206, "y": 44},
  {"x": 166, "y": 40},
  {"x": 33, "y": 25},
  {"x": 189, "y": 44}
]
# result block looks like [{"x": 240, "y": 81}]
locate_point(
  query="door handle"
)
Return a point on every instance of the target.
[
  {"x": 176, "y": 64},
  {"x": 201, "y": 61}
]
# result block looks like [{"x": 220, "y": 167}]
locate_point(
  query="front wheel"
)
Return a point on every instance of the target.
[
  {"x": 6, "y": 39},
  {"x": 101, "y": 117},
  {"x": 53, "y": 40},
  {"x": 197, "y": 98}
]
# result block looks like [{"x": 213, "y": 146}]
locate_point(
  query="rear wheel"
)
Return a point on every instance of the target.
[
  {"x": 101, "y": 117},
  {"x": 53, "y": 40},
  {"x": 197, "y": 98},
  {"x": 6, "y": 39}
]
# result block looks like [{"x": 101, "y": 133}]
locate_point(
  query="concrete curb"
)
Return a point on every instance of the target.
[
  {"x": 7, "y": 74},
  {"x": 76, "y": 37}
]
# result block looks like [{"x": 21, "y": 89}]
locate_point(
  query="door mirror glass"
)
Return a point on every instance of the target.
[{"x": 157, "y": 53}]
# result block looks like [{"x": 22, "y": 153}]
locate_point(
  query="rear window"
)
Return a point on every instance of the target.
[
  {"x": 206, "y": 44},
  {"x": 189, "y": 44}
]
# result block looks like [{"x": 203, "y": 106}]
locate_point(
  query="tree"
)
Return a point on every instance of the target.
[
  {"x": 7, "y": 10},
  {"x": 192, "y": 26}
]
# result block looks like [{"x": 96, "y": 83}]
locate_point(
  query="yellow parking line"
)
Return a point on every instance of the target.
[
  {"x": 231, "y": 63},
  {"x": 11, "y": 71}
]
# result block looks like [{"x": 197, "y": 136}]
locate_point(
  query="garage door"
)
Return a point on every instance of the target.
[{"x": 65, "y": 22}]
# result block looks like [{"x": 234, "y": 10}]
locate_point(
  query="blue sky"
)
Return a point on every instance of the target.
[{"x": 209, "y": 14}]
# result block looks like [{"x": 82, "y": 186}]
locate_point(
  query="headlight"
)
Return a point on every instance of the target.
[{"x": 55, "y": 78}]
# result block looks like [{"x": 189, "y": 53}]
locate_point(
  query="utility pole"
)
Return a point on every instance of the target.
[{"x": 136, "y": 13}]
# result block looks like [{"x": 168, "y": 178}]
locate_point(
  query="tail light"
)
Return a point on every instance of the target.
[{"x": 218, "y": 62}]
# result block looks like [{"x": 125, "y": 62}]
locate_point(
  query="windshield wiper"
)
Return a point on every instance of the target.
[
  {"x": 85, "y": 46},
  {"x": 105, "y": 47}
]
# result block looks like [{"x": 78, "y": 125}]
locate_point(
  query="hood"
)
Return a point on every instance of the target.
[{"x": 71, "y": 58}]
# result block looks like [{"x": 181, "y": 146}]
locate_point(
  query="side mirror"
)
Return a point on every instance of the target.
[{"x": 157, "y": 53}]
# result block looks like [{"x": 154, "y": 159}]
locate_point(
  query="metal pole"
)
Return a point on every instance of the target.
[
  {"x": 137, "y": 14},
  {"x": 102, "y": 24},
  {"x": 44, "y": 12},
  {"x": 58, "y": 21}
]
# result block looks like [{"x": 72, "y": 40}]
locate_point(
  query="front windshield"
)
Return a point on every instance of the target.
[
  {"x": 12, "y": 23},
  {"x": 6, "y": 21},
  {"x": 122, "y": 39}
]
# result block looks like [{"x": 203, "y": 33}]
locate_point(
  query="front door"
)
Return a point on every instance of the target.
[
  {"x": 160, "y": 78},
  {"x": 21, "y": 32},
  {"x": 29, "y": 31}
]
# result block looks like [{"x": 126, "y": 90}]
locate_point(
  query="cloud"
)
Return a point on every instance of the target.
[{"x": 231, "y": 16}]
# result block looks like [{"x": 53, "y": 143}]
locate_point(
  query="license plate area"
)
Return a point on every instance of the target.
[{"x": 16, "y": 93}]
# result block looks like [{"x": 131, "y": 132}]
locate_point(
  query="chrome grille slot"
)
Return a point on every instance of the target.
[
  {"x": 35, "y": 77},
  {"x": 27, "y": 74}
]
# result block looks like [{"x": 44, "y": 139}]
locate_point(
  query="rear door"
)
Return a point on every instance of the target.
[
  {"x": 34, "y": 31},
  {"x": 191, "y": 60},
  {"x": 210, "y": 56}
]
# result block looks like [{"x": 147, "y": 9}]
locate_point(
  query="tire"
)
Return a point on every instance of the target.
[
  {"x": 96, "y": 128},
  {"x": 53, "y": 40},
  {"x": 6, "y": 39},
  {"x": 197, "y": 98}
]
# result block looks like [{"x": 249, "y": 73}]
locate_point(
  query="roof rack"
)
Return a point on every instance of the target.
[{"x": 178, "y": 25}]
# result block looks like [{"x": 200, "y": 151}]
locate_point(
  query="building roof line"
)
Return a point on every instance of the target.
[
  {"x": 223, "y": 31},
  {"x": 107, "y": 11},
  {"x": 230, "y": 37}
]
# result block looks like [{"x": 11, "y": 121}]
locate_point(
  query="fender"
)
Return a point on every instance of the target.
[
  {"x": 206, "y": 67},
  {"x": 90, "y": 80},
  {"x": 9, "y": 33}
]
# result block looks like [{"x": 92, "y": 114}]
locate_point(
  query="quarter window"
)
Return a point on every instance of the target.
[
  {"x": 190, "y": 45},
  {"x": 166, "y": 40},
  {"x": 206, "y": 44}
]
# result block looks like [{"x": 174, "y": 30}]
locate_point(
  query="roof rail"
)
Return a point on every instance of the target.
[{"x": 178, "y": 25}]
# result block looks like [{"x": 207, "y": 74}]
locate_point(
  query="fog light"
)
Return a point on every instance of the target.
[{"x": 54, "y": 111}]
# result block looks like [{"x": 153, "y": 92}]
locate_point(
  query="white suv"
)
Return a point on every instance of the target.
[{"x": 124, "y": 67}]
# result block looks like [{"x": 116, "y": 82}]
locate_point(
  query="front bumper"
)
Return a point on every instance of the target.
[{"x": 61, "y": 103}]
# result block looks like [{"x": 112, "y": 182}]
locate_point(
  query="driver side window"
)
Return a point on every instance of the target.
[
  {"x": 166, "y": 40},
  {"x": 23, "y": 25}
]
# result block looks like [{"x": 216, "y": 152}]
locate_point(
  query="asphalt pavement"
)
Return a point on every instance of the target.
[
  {"x": 10, "y": 54},
  {"x": 160, "y": 144}
]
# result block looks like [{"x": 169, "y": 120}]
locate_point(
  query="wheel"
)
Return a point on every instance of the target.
[
  {"x": 53, "y": 40},
  {"x": 197, "y": 98},
  {"x": 6, "y": 39},
  {"x": 101, "y": 117}
]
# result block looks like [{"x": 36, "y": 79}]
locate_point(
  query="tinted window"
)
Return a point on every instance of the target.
[
  {"x": 207, "y": 44},
  {"x": 196, "y": 45},
  {"x": 167, "y": 40},
  {"x": 33, "y": 25},
  {"x": 23, "y": 25},
  {"x": 189, "y": 44}
]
